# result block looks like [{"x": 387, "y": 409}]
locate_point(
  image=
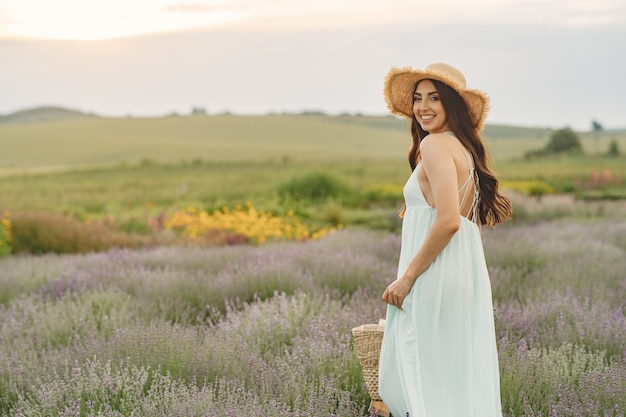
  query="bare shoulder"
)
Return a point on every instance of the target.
[{"x": 435, "y": 145}]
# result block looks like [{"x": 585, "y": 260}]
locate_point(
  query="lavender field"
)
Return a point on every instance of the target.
[{"x": 265, "y": 330}]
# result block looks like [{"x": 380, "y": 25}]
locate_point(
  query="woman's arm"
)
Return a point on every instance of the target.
[{"x": 440, "y": 169}]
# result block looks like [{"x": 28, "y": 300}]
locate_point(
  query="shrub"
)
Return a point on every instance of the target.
[
  {"x": 314, "y": 187},
  {"x": 375, "y": 219},
  {"x": 5, "y": 233},
  {"x": 333, "y": 213},
  {"x": 613, "y": 149},
  {"x": 533, "y": 188},
  {"x": 43, "y": 232},
  {"x": 386, "y": 194},
  {"x": 241, "y": 225},
  {"x": 561, "y": 141},
  {"x": 134, "y": 225},
  {"x": 564, "y": 140}
]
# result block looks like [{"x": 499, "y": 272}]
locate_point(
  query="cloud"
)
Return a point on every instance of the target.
[
  {"x": 198, "y": 8},
  {"x": 111, "y": 18},
  {"x": 292, "y": 14},
  {"x": 568, "y": 13},
  {"x": 541, "y": 75}
]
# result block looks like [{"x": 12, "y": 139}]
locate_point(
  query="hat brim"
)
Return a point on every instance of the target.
[{"x": 400, "y": 88}]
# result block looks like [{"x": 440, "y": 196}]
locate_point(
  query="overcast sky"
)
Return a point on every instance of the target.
[{"x": 548, "y": 63}]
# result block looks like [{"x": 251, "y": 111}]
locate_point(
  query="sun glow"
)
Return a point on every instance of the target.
[{"x": 105, "y": 19}]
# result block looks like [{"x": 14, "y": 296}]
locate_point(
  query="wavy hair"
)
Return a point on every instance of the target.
[{"x": 493, "y": 207}]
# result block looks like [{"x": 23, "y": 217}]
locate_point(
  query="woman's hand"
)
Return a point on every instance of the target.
[{"x": 396, "y": 291}]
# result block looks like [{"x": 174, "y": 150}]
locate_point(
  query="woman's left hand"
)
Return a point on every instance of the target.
[{"x": 396, "y": 291}]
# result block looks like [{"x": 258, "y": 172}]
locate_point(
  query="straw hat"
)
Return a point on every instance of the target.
[{"x": 400, "y": 87}]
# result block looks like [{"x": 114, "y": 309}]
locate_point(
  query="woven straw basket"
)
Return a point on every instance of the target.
[{"x": 368, "y": 339}]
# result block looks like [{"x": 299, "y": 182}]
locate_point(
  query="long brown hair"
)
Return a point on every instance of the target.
[{"x": 493, "y": 207}]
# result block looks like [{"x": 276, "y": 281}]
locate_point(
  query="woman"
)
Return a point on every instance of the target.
[{"x": 439, "y": 355}]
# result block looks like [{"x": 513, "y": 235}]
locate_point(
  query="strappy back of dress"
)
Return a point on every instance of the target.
[{"x": 466, "y": 185}]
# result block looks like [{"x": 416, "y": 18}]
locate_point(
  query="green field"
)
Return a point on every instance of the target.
[
  {"x": 101, "y": 141},
  {"x": 89, "y": 141},
  {"x": 93, "y": 164}
]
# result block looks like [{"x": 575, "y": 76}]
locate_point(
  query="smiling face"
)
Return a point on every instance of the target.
[{"x": 428, "y": 108}]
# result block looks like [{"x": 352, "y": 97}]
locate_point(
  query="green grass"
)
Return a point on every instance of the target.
[
  {"x": 208, "y": 184},
  {"x": 98, "y": 141},
  {"x": 559, "y": 168},
  {"x": 90, "y": 165},
  {"x": 89, "y": 141},
  {"x": 213, "y": 185}
]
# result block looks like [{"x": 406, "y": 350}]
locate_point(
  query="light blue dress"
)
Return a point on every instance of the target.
[{"x": 438, "y": 356}]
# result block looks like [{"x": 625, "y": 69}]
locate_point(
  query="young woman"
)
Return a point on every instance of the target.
[{"x": 439, "y": 355}]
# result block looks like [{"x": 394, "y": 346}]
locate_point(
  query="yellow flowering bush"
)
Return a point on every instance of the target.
[
  {"x": 243, "y": 224},
  {"x": 5, "y": 233}
]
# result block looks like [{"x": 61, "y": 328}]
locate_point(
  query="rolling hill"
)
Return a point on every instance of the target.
[
  {"x": 43, "y": 114},
  {"x": 56, "y": 137}
]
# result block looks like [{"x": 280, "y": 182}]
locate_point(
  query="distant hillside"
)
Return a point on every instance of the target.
[
  {"x": 515, "y": 132},
  {"x": 43, "y": 114},
  {"x": 79, "y": 139}
]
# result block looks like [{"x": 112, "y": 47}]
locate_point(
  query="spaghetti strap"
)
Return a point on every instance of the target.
[{"x": 476, "y": 197}]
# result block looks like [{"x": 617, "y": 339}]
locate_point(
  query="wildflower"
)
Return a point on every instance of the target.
[{"x": 253, "y": 225}]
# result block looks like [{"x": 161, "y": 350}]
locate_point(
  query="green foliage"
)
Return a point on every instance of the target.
[
  {"x": 125, "y": 190},
  {"x": 602, "y": 194},
  {"x": 314, "y": 187},
  {"x": 347, "y": 147},
  {"x": 375, "y": 219},
  {"x": 386, "y": 194},
  {"x": 562, "y": 141},
  {"x": 534, "y": 188},
  {"x": 132, "y": 225},
  {"x": 613, "y": 149},
  {"x": 5, "y": 233},
  {"x": 369, "y": 176},
  {"x": 137, "y": 195},
  {"x": 333, "y": 213},
  {"x": 43, "y": 232}
]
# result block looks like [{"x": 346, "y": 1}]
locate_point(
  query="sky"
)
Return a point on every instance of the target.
[{"x": 556, "y": 63}]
